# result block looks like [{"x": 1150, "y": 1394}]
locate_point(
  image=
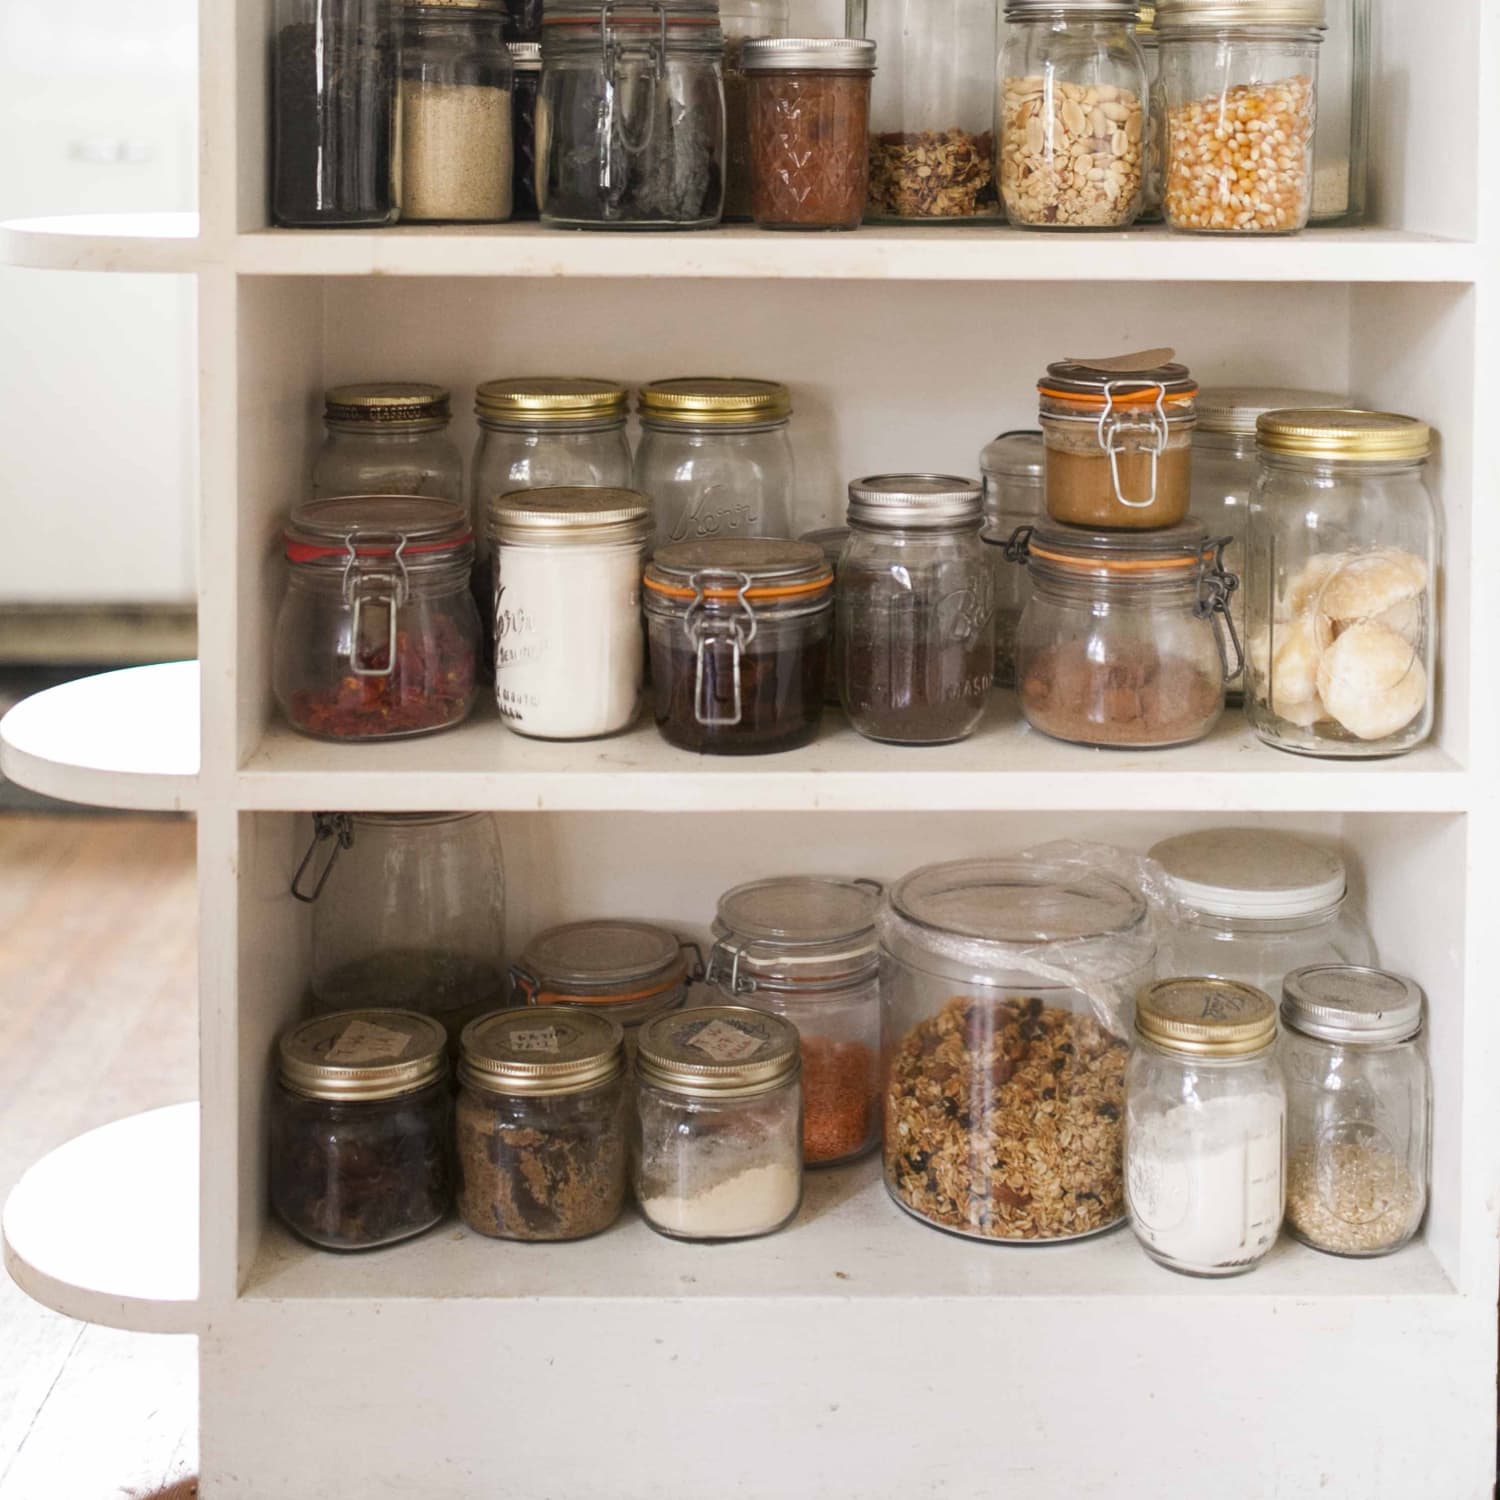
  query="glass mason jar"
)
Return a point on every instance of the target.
[
  {"x": 388, "y": 439},
  {"x": 455, "y": 113},
  {"x": 743, "y": 21},
  {"x": 1013, "y": 468},
  {"x": 1359, "y": 1109},
  {"x": 569, "y": 651},
  {"x": 718, "y": 1148},
  {"x": 1119, "y": 437},
  {"x": 631, "y": 972},
  {"x": 408, "y": 913},
  {"x": 803, "y": 947},
  {"x": 1073, "y": 111},
  {"x": 1121, "y": 642},
  {"x": 1205, "y": 1126},
  {"x": 831, "y": 539},
  {"x": 1225, "y": 472},
  {"x": 1341, "y": 137},
  {"x": 1156, "y": 116},
  {"x": 540, "y": 1125},
  {"x": 525, "y": 85},
  {"x": 1341, "y": 584},
  {"x": 716, "y": 458},
  {"x": 1256, "y": 903},
  {"x": 334, "y": 113},
  {"x": 915, "y": 610},
  {"x": 1234, "y": 75},
  {"x": 361, "y": 1128},
  {"x": 1004, "y": 1093},
  {"x": 630, "y": 123},
  {"x": 932, "y": 112},
  {"x": 377, "y": 637},
  {"x": 739, "y": 644}
]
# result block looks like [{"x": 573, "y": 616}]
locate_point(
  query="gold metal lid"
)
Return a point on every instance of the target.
[
  {"x": 563, "y": 1050},
  {"x": 720, "y": 1052},
  {"x": 546, "y": 399},
  {"x": 386, "y": 402},
  {"x": 573, "y": 513},
  {"x": 1206, "y": 1017},
  {"x": 715, "y": 401},
  {"x": 1370, "y": 437},
  {"x": 362, "y": 1055}
]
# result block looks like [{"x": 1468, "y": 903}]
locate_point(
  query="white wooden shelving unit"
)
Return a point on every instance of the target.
[{"x": 859, "y": 1354}]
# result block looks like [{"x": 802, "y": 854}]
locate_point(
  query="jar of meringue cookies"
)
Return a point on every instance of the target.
[{"x": 1341, "y": 584}]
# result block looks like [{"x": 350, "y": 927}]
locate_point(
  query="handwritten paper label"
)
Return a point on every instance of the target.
[
  {"x": 725, "y": 1043},
  {"x": 365, "y": 1042}
]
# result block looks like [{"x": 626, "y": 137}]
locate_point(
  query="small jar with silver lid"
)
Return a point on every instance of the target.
[
  {"x": 1359, "y": 1108},
  {"x": 916, "y": 609},
  {"x": 1014, "y": 474},
  {"x": 718, "y": 1152},
  {"x": 541, "y": 1124},
  {"x": 388, "y": 438},
  {"x": 360, "y": 1128},
  {"x": 1205, "y": 1121}
]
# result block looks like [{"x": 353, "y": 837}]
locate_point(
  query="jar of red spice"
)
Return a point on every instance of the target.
[
  {"x": 804, "y": 948},
  {"x": 378, "y": 635}
]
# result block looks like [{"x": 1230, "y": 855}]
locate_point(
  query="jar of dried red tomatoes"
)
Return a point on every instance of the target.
[{"x": 378, "y": 635}]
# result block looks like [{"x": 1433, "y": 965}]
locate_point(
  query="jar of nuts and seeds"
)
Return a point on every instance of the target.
[
  {"x": 1240, "y": 79},
  {"x": 1073, "y": 97}
]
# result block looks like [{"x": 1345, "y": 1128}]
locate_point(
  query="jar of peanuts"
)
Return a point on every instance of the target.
[{"x": 1240, "y": 79}]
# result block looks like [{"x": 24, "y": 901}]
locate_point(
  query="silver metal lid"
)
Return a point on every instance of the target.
[
  {"x": 561, "y": 1050},
  {"x": 525, "y": 56},
  {"x": 362, "y": 1055},
  {"x": 569, "y": 515},
  {"x": 1016, "y": 455},
  {"x": 1253, "y": 873},
  {"x": 825, "y": 54},
  {"x": 1026, "y": 10},
  {"x": 597, "y": 959},
  {"x": 1200, "y": 1017},
  {"x": 915, "y": 500},
  {"x": 1235, "y": 409},
  {"x": 795, "y": 932},
  {"x": 719, "y": 1051},
  {"x": 1209, "y": 14},
  {"x": 1351, "y": 1004}
]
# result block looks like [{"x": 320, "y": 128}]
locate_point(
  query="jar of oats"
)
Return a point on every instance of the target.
[{"x": 1240, "y": 79}]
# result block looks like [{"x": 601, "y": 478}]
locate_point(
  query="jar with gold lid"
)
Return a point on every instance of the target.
[
  {"x": 1341, "y": 584},
  {"x": 388, "y": 438}
]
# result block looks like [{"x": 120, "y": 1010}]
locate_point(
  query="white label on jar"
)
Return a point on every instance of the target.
[
  {"x": 365, "y": 1042},
  {"x": 725, "y": 1043},
  {"x": 540, "y": 1039}
]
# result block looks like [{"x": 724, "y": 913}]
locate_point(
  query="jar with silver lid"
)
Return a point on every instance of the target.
[
  {"x": 831, "y": 539},
  {"x": 1359, "y": 1108},
  {"x": 1205, "y": 1126},
  {"x": 388, "y": 438},
  {"x": 360, "y": 1128},
  {"x": 541, "y": 1124},
  {"x": 803, "y": 947},
  {"x": 1014, "y": 473},
  {"x": 915, "y": 609},
  {"x": 718, "y": 1153},
  {"x": 1254, "y": 904}
]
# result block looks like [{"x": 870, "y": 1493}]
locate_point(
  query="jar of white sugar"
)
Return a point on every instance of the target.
[
  {"x": 718, "y": 1149},
  {"x": 566, "y": 606},
  {"x": 1205, "y": 1126}
]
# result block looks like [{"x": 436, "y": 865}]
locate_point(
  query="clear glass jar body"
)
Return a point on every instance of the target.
[
  {"x": 1262, "y": 952},
  {"x": 1145, "y": 486},
  {"x": 1204, "y": 1158},
  {"x": 1359, "y": 1123},
  {"x": 1072, "y": 120},
  {"x": 916, "y": 623},
  {"x": 525, "y": 85},
  {"x": 831, "y": 539},
  {"x": 717, "y": 1168},
  {"x": 412, "y": 917},
  {"x": 1341, "y": 140},
  {"x": 357, "y": 1174},
  {"x": 1155, "y": 166},
  {"x": 1340, "y": 605},
  {"x": 455, "y": 117},
  {"x": 743, "y": 21},
  {"x": 388, "y": 458},
  {"x": 1224, "y": 477},
  {"x": 713, "y": 481},
  {"x": 932, "y": 109},
  {"x": 334, "y": 116},
  {"x": 1219, "y": 84},
  {"x": 544, "y": 1167},
  {"x": 1011, "y": 500}
]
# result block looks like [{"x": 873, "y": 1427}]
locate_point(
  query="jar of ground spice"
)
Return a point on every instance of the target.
[
  {"x": 808, "y": 118},
  {"x": 1119, "y": 441},
  {"x": 803, "y": 947},
  {"x": 541, "y": 1124}
]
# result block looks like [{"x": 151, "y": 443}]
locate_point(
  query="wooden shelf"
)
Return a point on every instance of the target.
[{"x": 148, "y": 242}]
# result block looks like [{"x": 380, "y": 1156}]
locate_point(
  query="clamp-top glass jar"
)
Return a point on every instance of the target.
[
  {"x": 803, "y": 947},
  {"x": 1121, "y": 643},
  {"x": 716, "y": 458},
  {"x": 739, "y": 643},
  {"x": 915, "y": 609},
  {"x": 1014, "y": 469},
  {"x": 388, "y": 439},
  {"x": 1119, "y": 437},
  {"x": 1341, "y": 584},
  {"x": 1073, "y": 110},
  {"x": 378, "y": 636},
  {"x": 630, "y": 124},
  {"x": 1359, "y": 1109}
]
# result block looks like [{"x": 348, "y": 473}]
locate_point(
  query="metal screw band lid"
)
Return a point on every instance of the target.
[
  {"x": 385, "y": 403},
  {"x": 1351, "y": 1004},
  {"x": 1209, "y": 14},
  {"x": 1206, "y": 1017},
  {"x": 362, "y": 1055},
  {"x": 915, "y": 500},
  {"x": 1252, "y": 873},
  {"x": 714, "y": 401},
  {"x": 570, "y": 514},
  {"x": 1093, "y": 10},
  {"x": 1235, "y": 409},
  {"x": 824, "y": 54},
  {"x": 562, "y": 1050},
  {"x": 1348, "y": 435},
  {"x": 540, "y": 400},
  {"x": 719, "y": 1051}
]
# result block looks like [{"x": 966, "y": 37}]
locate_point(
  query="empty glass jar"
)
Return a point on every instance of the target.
[
  {"x": 388, "y": 439},
  {"x": 743, "y": 21},
  {"x": 1013, "y": 466},
  {"x": 1341, "y": 139}
]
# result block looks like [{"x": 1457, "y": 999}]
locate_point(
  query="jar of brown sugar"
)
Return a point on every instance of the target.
[
  {"x": 808, "y": 122},
  {"x": 1119, "y": 437}
]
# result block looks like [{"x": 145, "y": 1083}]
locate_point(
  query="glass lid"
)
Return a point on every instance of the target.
[
  {"x": 805, "y": 930},
  {"x": 413, "y": 526},
  {"x": 589, "y": 959}
]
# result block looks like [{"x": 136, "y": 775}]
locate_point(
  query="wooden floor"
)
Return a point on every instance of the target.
[{"x": 98, "y": 1019}]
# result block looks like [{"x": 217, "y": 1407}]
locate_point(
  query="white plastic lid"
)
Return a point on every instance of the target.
[{"x": 1251, "y": 872}]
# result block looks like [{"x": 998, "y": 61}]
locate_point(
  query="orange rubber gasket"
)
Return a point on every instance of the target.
[
  {"x": 784, "y": 591},
  {"x": 1116, "y": 565},
  {"x": 548, "y": 997},
  {"x": 1147, "y": 397}
]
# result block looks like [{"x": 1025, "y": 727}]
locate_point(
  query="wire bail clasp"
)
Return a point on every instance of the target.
[
  {"x": 364, "y": 586},
  {"x": 709, "y": 635},
  {"x": 1112, "y": 426},
  {"x": 336, "y": 826},
  {"x": 1216, "y": 586}
]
